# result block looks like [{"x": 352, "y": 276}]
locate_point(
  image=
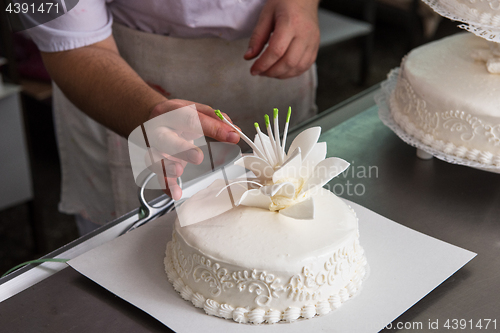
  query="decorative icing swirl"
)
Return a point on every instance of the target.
[
  {"x": 226, "y": 311},
  {"x": 323, "y": 308},
  {"x": 291, "y": 314},
  {"x": 186, "y": 293},
  {"x": 308, "y": 311},
  {"x": 211, "y": 307},
  {"x": 198, "y": 300},
  {"x": 272, "y": 316},
  {"x": 256, "y": 316},
  {"x": 335, "y": 301},
  {"x": 351, "y": 288},
  {"x": 344, "y": 295},
  {"x": 239, "y": 315},
  {"x": 178, "y": 284},
  {"x": 259, "y": 314}
]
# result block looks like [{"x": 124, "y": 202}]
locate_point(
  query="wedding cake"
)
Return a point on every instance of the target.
[
  {"x": 286, "y": 249},
  {"x": 446, "y": 98}
]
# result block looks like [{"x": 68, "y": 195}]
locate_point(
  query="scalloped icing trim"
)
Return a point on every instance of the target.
[
  {"x": 259, "y": 315},
  {"x": 387, "y": 99},
  {"x": 461, "y": 12}
]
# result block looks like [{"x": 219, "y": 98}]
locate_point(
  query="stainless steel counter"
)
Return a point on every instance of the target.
[{"x": 456, "y": 204}]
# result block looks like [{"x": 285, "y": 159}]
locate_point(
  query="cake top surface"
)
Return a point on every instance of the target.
[
  {"x": 446, "y": 70},
  {"x": 262, "y": 239}
]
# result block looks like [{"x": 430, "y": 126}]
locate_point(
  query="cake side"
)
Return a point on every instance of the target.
[
  {"x": 256, "y": 296},
  {"x": 448, "y": 101},
  {"x": 248, "y": 293}
]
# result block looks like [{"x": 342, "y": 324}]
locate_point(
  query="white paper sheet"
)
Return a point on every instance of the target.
[{"x": 405, "y": 265}]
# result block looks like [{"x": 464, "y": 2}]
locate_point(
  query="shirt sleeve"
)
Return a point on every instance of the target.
[{"x": 87, "y": 23}]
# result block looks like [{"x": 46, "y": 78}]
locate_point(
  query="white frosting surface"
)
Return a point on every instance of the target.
[
  {"x": 248, "y": 234},
  {"x": 446, "y": 76},
  {"x": 448, "y": 100}
]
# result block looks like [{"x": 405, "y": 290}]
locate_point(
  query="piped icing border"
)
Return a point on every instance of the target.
[
  {"x": 403, "y": 126},
  {"x": 296, "y": 288}
]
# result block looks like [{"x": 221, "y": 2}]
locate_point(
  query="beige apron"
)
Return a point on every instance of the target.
[{"x": 97, "y": 180}]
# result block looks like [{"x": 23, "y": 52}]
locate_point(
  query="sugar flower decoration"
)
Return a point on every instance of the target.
[{"x": 283, "y": 181}]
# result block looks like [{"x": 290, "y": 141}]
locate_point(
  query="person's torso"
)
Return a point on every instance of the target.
[{"x": 227, "y": 19}]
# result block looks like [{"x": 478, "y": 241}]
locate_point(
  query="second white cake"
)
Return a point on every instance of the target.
[{"x": 448, "y": 100}]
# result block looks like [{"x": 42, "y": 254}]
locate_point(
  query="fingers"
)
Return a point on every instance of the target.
[
  {"x": 209, "y": 111},
  {"x": 173, "y": 187},
  {"x": 288, "y": 65},
  {"x": 299, "y": 57},
  {"x": 278, "y": 46},
  {"x": 170, "y": 187},
  {"x": 167, "y": 169},
  {"x": 193, "y": 123},
  {"x": 198, "y": 124},
  {"x": 296, "y": 61},
  {"x": 169, "y": 142},
  {"x": 205, "y": 109},
  {"x": 260, "y": 34},
  {"x": 294, "y": 42},
  {"x": 164, "y": 165},
  {"x": 216, "y": 129},
  {"x": 171, "y": 132}
]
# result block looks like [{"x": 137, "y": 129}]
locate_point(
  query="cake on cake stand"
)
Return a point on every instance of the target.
[{"x": 419, "y": 116}]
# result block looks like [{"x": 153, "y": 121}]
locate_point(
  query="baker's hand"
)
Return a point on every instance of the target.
[
  {"x": 171, "y": 138},
  {"x": 291, "y": 27}
]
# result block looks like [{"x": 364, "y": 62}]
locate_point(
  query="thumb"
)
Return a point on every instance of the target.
[{"x": 260, "y": 35}]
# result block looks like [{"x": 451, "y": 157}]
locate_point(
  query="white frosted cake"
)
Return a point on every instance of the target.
[
  {"x": 277, "y": 255},
  {"x": 446, "y": 98}
]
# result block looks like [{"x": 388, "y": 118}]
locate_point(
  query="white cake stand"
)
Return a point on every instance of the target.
[{"x": 423, "y": 151}]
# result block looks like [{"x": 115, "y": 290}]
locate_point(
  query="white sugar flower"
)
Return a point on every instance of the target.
[{"x": 285, "y": 181}]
